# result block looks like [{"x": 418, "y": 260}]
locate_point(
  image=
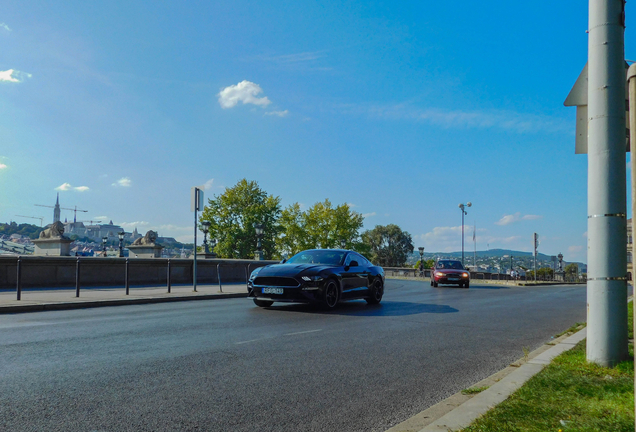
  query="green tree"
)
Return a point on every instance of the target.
[
  {"x": 321, "y": 226},
  {"x": 389, "y": 245},
  {"x": 232, "y": 216},
  {"x": 427, "y": 263},
  {"x": 572, "y": 270}
]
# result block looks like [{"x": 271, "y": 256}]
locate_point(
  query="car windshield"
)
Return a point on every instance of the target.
[
  {"x": 330, "y": 257},
  {"x": 455, "y": 265}
]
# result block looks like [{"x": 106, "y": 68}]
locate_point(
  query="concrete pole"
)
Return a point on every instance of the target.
[
  {"x": 607, "y": 230},
  {"x": 631, "y": 79}
]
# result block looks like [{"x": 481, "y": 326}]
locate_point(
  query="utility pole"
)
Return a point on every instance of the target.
[
  {"x": 536, "y": 245},
  {"x": 606, "y": 220}
]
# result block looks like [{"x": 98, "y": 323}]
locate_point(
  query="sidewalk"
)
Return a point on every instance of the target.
[{"x": 39, "y": 299}]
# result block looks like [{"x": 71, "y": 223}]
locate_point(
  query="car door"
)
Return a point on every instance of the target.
[{"x": 350, "y": 278}]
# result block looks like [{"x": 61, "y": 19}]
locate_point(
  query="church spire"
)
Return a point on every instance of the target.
[{"x": 56, "y": 209}]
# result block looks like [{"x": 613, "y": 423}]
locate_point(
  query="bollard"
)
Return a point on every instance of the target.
[
  {"x": 127, "y": 284},
  {"x": 19, "y": 279},
  {"x": 218, "y": 274},
  {"x": 168, "y": 276},
  {"x": 77, "y": 278}
]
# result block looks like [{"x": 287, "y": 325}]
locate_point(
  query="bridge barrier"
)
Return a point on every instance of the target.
[{"x": 62, "y": 272}]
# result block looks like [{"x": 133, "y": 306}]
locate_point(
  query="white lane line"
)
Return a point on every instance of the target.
[
  {"x": 302, "y": 332},
  {"x": 248, "y": 341}
]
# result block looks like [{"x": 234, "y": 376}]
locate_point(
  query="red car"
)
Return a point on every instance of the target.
[{"x": 450, "y": 272}]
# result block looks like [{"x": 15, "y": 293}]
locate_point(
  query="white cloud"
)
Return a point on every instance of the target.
[
  {"x": 4, "y": 26},
  {"x": 64, "y": 187},
  {"x": 244, "y": 92},
  {"x": 351, "y": 205},
  {"x": 508, "y": 219},
  {"x": 449, "y": 239},
  {"x": 67, "y": 186},
  {"x": 208, "y": 184},
  {"x": 278, "y": 113},
  {"x": 575, "y": 249},
  {"x": 123, "y": 182},
  {"x": 133, "y": 225},
  {"x": 13, "y": 75},
  {"x": 3, "y": 166},
  {"x": 585, "y": 234},
  {"x": 101, "y": 218},
  {"x": 366, "y": 215}
]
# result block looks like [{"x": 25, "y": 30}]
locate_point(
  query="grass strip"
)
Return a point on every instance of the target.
[{"x": 570, "y": 394}]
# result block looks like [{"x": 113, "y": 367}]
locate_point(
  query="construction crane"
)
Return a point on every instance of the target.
[
  {"x": 75, "y": 210},
  {"x": 33, "y": 217}
]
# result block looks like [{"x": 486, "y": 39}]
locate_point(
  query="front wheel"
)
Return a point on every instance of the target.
[
  {"x": 435, "y": 284},
  {"x": 376, "y": 292},
  {"x": 332, "y": 294},
  {"x": 467, "y": 284},
  {"x": 263, "y": 303}
]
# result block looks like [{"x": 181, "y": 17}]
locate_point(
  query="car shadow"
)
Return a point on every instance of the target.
[{"x": 361, "y": 308}]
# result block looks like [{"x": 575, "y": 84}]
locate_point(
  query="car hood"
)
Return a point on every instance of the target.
[{"x": 292, "y": 269}]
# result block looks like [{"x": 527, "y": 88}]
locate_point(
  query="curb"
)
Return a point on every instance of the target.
[
  {"x": 469, "y": 411},
  {"x": 104, "y": 303}
]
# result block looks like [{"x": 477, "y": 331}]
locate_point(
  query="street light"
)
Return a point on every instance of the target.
[
  {"x": 205, "y": 228},
  {"x": 462, "y": 207},
  {"x": 121, "y": 243},
  {"x": 104, "y": 240},
  {"x": 421, "y": 249},
  {"x": 259, "y": 228}
]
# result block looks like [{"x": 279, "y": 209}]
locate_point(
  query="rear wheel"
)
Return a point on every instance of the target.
[
  {"x": 332, "y": 294},
  {"x": 263, "y": 303},
  {"x": 376, "y": 292}
]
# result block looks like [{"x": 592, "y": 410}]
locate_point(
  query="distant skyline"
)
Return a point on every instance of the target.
[{"x": 404, "y": 110}]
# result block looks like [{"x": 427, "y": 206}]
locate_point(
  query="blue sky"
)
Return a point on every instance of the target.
[{"x": 403, "y": 109}]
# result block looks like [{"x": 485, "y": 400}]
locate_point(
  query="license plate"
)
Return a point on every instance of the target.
[
  {"x": 272, "y": 290},
  {"x": 453, "y": 278}
]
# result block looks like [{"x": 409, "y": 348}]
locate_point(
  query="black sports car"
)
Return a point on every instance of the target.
[{"x": 318, "y": 275}]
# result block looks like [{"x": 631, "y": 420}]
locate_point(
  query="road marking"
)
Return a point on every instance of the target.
[
  {"x": 248, "y": 341},
  {"x": 302, "y": 332}
]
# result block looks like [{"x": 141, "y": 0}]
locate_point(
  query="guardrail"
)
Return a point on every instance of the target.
[{"x": 67, "y": 272}]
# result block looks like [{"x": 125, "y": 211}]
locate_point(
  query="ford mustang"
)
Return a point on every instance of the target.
[{"x": 325, "y": 276}]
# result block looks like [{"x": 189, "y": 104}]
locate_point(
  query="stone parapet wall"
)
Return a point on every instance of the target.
[{"x": 44, "y": 272}]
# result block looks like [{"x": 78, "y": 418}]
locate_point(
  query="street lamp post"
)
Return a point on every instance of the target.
[
  {"x": 462, "y": 207},
  {"x": 259, "y": 228},
  {"x": 104, "y": 240},
  {"x": 205, "y": 227},
  {"x": 421, "y": 249},
  {"x": 121, "y": 243}
]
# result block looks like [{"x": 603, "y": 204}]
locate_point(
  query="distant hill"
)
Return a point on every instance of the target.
[{"x": 29, "y": 230}]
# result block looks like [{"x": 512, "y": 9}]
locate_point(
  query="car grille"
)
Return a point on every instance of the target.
[{"x": 276, "y": 281}]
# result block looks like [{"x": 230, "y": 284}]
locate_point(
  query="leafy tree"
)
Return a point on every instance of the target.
[
  {"x": 572, "y": 270},
  {"x": 321, "y": 226},
  {"x": 232, "y": 216},
  {"x": 427, "y": 263},
  {"x": 389, "y": 245}
]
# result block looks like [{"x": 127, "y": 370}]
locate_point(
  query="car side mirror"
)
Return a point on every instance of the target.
[{"x": 283, "y": 261}]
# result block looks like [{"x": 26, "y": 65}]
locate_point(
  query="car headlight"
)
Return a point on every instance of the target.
[
  {"x": 255, "y": 272},
  {"x": 465, "y": 274},
  {"x": 439, "y": 274},
  {"x": 312, "y": 278}
]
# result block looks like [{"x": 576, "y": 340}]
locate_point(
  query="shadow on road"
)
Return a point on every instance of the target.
[{"x": 361, "y": 308}]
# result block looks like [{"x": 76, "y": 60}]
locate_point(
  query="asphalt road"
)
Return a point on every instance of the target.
[{"x": 227, "y": 365}]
